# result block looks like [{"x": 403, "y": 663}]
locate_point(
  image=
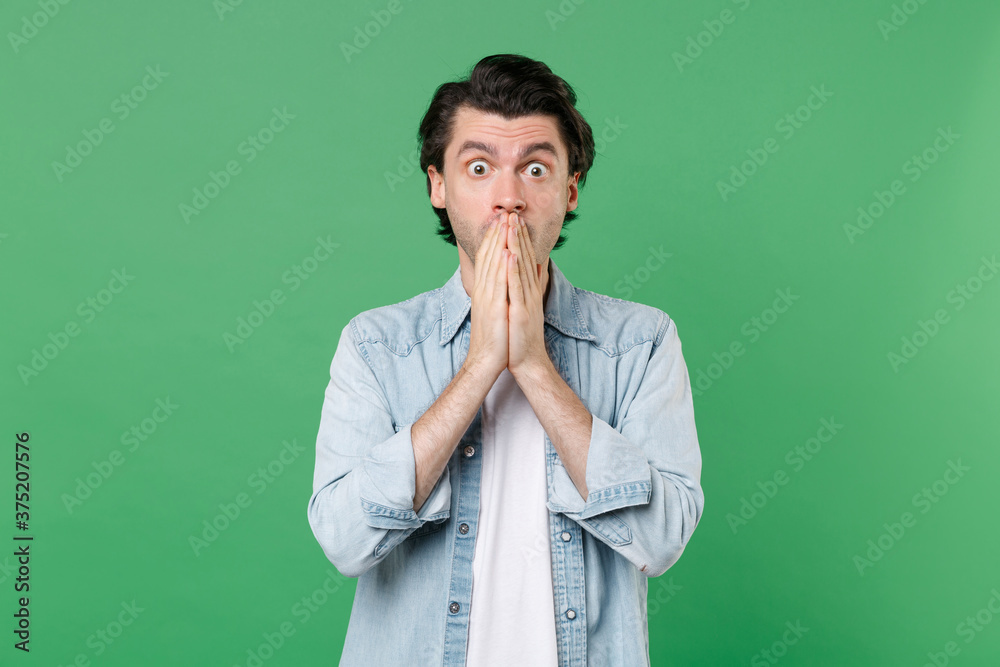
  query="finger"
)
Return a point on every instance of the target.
[
  {"x": 530, "y": 259},
  {"x": 542, "y": 269},
  {"x": 518, "y": 242},
  {"x": 523, "y": 254},
  {"x": 500, "y": 286},
  {"x": 485, "y": 247},
  {"x": 514, "y": 286},
  {"x": 514, "y": 289},
  {"x": 524, "y": 285},
  {"x": 496, "y": 248},
  {"x": 524, "y": 250},
  {"x": 498, "y": 259}
]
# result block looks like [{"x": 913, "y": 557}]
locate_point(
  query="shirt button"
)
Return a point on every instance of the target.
[
  {"x": 470, "y": 450},
  {"x": 571, "y": 614},
  {"x": 464, "y": 528},
  {"x": 453, "y": 607},
  {"x": 566, "y": 537}
]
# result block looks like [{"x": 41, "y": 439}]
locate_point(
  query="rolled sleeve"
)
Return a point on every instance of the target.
[
  {"x": 388, "y": 484},
  {"x": 618, "y": 475},
  {"x": 645, "y": 496},
  {"x": 365, "y": 476}
]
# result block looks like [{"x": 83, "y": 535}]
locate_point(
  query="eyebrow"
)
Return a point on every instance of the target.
[{"x": 490, "y": 149}]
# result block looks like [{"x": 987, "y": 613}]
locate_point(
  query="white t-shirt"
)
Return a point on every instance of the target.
[{"x": 512, "y": 615}]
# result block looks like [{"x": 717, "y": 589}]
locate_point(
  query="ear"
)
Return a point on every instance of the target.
[
  {"x": 571, "y": 199},
  {"x": 437, "y": 187}
]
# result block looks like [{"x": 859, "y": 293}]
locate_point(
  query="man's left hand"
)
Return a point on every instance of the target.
[{"x": 526, "y": 317}]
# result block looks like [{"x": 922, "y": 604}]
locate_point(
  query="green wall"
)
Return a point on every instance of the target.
[{"x": 849, "y": 441}]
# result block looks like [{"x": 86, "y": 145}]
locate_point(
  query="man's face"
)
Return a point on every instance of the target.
[{"x": 492, "y": 165}]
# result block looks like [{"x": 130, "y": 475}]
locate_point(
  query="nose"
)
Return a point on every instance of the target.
[{"x": 507, "y": 194}]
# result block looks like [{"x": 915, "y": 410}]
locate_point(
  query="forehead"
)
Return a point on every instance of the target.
[{"x": 506, "y": 135}]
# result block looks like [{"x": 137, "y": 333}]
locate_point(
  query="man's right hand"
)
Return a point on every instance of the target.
[{"x": 488, "y": 340}]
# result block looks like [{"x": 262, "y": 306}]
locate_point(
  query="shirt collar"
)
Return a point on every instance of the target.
[{"x": 562, "y": 309}]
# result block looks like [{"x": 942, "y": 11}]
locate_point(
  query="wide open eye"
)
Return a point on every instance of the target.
[
  {"x": 478, "y": 168},
  {"x": 538, "y": 167}
]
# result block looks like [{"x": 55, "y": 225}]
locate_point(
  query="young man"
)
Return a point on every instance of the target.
[{"x": 503, "y": 461}]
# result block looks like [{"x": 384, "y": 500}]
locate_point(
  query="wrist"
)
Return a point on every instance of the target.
[
  {"x": 536, "y": 373},
  {"x": 479, "y": 374}
]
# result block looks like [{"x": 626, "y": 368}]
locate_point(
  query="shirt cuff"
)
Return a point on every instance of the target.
[
  {"x": 618, "y": 475},
  {"x": 388, "y": 484}
]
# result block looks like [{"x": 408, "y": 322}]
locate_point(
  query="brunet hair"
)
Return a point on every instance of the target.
[{"x": 510, "y": 86}]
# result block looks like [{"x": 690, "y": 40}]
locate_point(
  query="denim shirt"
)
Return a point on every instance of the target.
[{"x": 411, "y": 606}]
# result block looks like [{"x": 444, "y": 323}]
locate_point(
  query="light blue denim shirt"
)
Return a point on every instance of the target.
[{"x": 414, "y": 569}]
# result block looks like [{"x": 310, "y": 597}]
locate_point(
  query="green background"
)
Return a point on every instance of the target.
[{"x": 682, "y": 129}]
